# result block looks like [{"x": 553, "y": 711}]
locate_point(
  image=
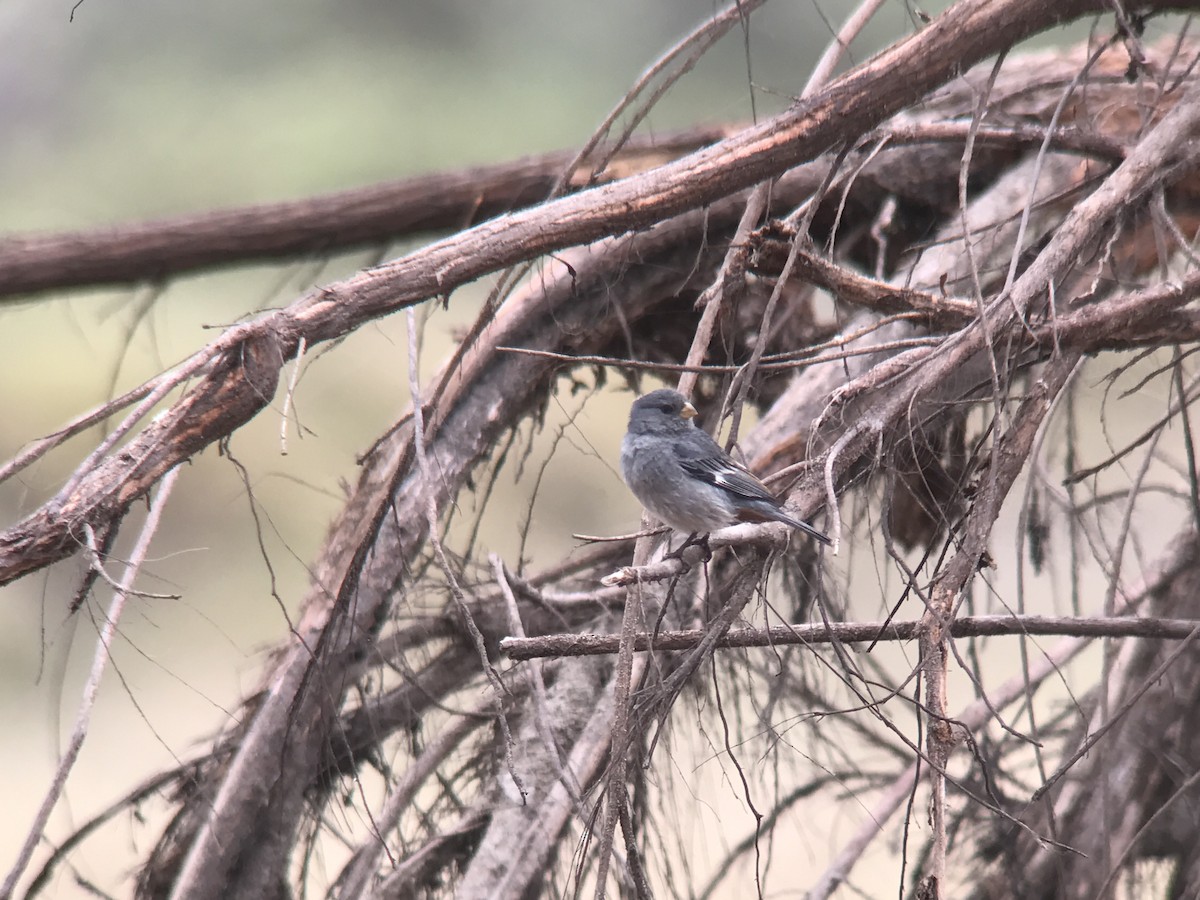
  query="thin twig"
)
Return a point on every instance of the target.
[
  {"x": 698, "y": 41},
  {"x": 718, "y": 295},
  {"x": 1119, "y": 714},
  {"x": 536, "y": 682},
  {"x": 431, "y": 515},
  {"x": 97, "y": 566},
  {"x": 287, "y": 397},
  {"x": 99, "y": 662},
  {"x": 823, "y": 71},
  {"x": 355, "y": 879},
  {"x": 573, "y": 644}
]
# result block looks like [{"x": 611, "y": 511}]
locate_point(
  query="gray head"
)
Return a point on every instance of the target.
[{"x": 661, "y": 412}]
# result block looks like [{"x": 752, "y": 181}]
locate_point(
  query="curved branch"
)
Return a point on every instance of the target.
[{"x": 348, "y": 220}]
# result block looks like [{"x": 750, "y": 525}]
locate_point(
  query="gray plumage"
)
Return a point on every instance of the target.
[{"x": 684, "y": 478}]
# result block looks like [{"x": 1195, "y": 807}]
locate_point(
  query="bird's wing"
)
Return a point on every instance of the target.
[{"x": 717, "y": 469}]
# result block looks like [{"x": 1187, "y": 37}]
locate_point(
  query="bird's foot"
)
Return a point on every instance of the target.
[{"x": 694, "y": 540}]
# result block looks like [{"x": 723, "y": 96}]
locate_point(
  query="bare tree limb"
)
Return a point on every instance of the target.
[{"x": 576, "y": 644}]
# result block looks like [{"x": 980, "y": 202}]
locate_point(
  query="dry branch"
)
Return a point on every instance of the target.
[
  {"x": 574, "y": 644},
  {"x": 367, "y": 217}
]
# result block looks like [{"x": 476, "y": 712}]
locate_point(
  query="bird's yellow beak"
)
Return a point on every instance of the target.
[{"x": 688, "y": 411}]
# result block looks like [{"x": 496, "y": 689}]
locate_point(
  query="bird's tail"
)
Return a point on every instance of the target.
[{"x": 806, "y": 528}]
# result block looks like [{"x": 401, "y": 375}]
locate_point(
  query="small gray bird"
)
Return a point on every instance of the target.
[{"x": 684, "y": 478}]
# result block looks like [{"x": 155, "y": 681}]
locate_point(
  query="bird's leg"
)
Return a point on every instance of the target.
[
  {"x": 678, "y": 552},
  {"x": 695, "y": 539}
]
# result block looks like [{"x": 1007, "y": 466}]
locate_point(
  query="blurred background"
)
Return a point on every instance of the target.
[{"x": 123, "y": 111}]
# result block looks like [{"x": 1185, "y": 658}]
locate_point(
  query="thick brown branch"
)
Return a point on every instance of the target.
[
  {"x": 329, "y": 223},
  {"x": 240, "y": 384},
  {"x": 371, "y": 216},
  {"x": 868, "y": 293}
]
